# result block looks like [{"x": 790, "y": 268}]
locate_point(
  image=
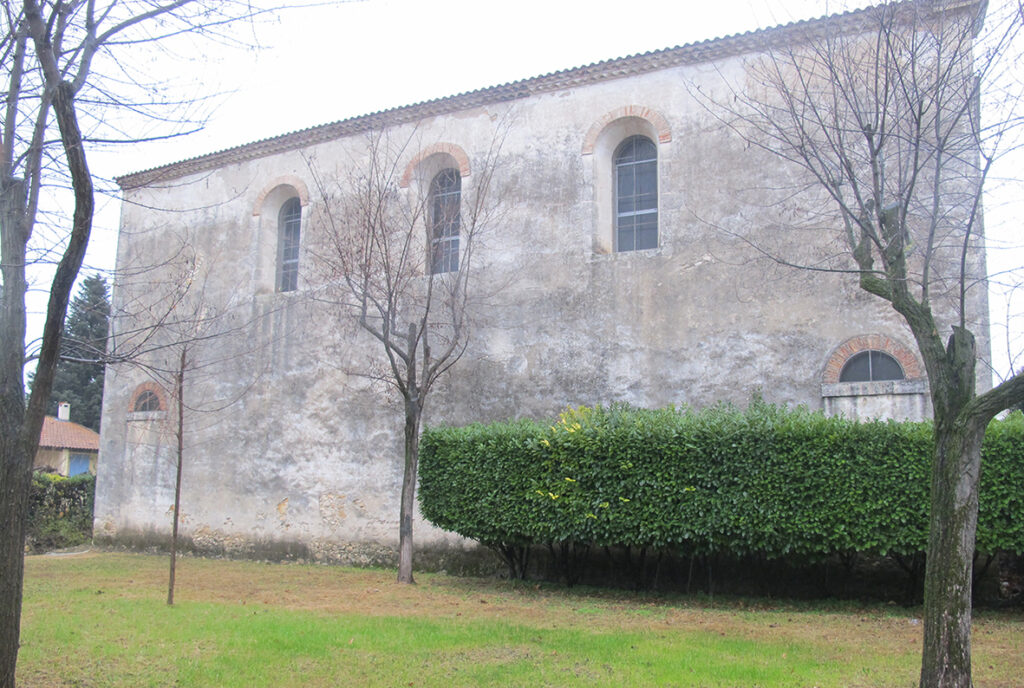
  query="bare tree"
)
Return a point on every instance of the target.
[
  {"x": 403, "y": 264},
  {"x": 63, "y": 64},
  {"x": 878, "y": 115},
  {"x": 184, "y": 330}
]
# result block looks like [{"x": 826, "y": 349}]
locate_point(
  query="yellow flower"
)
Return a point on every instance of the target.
[
  {"x": 569, "y": 480},
  {"x": 552, "y": 495}
]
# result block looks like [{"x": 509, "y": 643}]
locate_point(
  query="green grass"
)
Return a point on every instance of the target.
[{"x": 100, "y": 620}]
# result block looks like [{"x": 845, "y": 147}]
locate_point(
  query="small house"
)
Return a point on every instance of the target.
[{"x": 65, "y": 447}]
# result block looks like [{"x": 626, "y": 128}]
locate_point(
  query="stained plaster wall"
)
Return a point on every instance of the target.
[{"x": 308, "y": 462}]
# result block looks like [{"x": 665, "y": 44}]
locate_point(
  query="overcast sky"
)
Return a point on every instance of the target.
[{"x": 329, "y": 63}]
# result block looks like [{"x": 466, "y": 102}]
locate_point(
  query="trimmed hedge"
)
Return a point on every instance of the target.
[
  {"x": 60, "y": 511},
  {"x": 764, "y": 481}
]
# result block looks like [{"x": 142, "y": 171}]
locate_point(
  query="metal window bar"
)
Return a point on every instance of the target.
[
  {"x": 445, "y": 221},
  {"x": 636, "y": 194},
  {"x": 871, "y": 366},
  {"x": 289, "y": 226}
]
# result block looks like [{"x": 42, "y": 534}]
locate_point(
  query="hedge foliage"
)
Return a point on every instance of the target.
[
  {"x": 60, "y": 511},
  {"x": 765, "y": 480}
]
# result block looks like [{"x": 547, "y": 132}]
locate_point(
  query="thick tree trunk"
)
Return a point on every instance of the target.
[
  {"x": 946, "y": 655},
  {"x": 15, "y": 478},
  {"x": 956, "y": 466},
  {"x": 413, "y": 413},
  {"x": 15, "y": 481},
  {"x": 15, "y": 471},
  {"x": 20, "y": 424}
]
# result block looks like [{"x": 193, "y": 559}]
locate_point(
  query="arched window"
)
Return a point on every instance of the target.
[
  {"x": 636, "y": 194},
  {"x": 146, "y": 401},
  {"x": 871, "y": 366},
  {"x": 289, "y": 222},
  {"x": 445, "y": 197}
]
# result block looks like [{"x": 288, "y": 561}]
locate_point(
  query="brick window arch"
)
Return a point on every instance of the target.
[
  {"x": 625, "y": 146},
  {"x": 436, "y": 178},
  {"x": 280, "y": 214},
  {"x": 454, "y": 155},
  {"x": 147, "y": 398},
  {"x": 297, "y": 188},
  {"x": 861, "y": 344},
  {"x": 658, "y": 125}
]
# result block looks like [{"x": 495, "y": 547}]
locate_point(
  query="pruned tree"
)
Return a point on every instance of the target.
[
  {"x": 67, "y": 85},
  {"x": 877, "y": 116},
  {"x": 403, "y": 264}
]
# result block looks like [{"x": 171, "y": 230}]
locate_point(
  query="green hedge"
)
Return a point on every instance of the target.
[
  {"x": 60, "y": 511},
  {"x": 764, "y": 481}
]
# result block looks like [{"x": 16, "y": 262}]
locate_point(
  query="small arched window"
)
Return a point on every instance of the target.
[
  {"x": 636, "y": 194},
  {"x": 445, "y": 198},
  {"x": 289, "y": 222},
  {"x": 146, "y": 401},
  {"x": 871, "y": 366}
]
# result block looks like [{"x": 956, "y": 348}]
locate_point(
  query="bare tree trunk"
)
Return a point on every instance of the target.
[
  {"x": 16, "y": 481},
  {"x": 946, "y": 655},
  {"x": 413, "y": 413},
  {"x": 15, "y": 472},
  {"x": 179, "y": 384},
  {"x": 412, "y": 450},
  {"x": 20, "y": 424},
  {"x": 956, "y": 466}
]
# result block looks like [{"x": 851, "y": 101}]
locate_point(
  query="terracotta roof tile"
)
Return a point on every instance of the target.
[{"x": 63, "y": 434}]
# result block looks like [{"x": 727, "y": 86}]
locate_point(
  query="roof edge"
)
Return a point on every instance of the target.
[{"x": 640, "y": 63}]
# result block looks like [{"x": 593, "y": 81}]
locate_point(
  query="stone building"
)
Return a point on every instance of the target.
[{"x": 623, "y": 269}]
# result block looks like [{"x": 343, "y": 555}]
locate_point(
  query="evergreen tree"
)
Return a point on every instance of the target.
[{"x": 79, "y": 376}]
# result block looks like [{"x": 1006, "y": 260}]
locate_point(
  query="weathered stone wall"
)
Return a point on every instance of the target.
[{"x": 307, "y": 462}]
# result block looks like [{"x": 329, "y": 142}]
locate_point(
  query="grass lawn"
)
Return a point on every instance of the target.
[{"x": 97, "y": 620}]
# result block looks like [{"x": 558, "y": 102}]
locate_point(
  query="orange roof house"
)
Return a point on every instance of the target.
[{"x": 66, "y": 447}]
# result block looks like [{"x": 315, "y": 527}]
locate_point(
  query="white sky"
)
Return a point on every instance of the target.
[{"x": 325, "y": 64}]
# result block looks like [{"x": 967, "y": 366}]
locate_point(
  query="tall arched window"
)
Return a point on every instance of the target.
[
  {"x": 289, "y": 222},
  {"x": 871, "y": 366},
  {"x": 636, "y": 194},
  {"x": 445, "y": 197}
]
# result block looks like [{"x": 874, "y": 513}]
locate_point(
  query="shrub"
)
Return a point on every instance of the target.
[
  {"x": 60, "y": 511},
  {"x": 765, "y": 481}
]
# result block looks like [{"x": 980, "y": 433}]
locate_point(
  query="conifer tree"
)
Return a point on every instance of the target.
[{"x": 79, "y": 376}]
